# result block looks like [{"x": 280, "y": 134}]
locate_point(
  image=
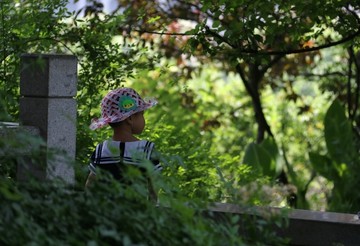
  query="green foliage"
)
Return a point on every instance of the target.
[
  {"x": 174, "y": 126},
  {"x": 272, "y": 25},
  {"x": 339, "y": 134},
  {"x": 340, "y": 163},
  {"x": 19, "y": 146},
  {"x": 108, "y": 213},
  {"x": 203, "y": 122},
  {"x": 105, "y": 60},
  {"x": 254, "y": 37},
  {"x": 25, "y": 26},
  {"x": 263, "y": 157}
]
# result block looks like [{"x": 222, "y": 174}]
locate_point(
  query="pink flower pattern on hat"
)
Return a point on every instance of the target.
[{"x": 120, "y": 104}]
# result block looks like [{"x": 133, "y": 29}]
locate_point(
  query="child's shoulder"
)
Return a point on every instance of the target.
[
  {"x": 139, "y": 144},
  {"x": 114, "y": 143}
]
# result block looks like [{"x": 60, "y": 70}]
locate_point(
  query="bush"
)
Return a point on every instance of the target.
[{"x": 109, "y": 213}]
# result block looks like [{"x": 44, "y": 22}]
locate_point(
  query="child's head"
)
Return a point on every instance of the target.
[{"x": 118, "y": 105}]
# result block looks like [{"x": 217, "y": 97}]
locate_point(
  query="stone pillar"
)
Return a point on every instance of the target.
[{"x": 47, "y": 90}]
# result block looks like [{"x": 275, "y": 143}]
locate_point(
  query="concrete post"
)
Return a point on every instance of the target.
[{"x": 47, "y": 89}]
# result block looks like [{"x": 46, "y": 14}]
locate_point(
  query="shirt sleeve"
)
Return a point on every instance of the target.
[
  {"x": 155, "y": 159},
  {"x": 92, "y": 164},
  {"x": 94, "y": 159}
]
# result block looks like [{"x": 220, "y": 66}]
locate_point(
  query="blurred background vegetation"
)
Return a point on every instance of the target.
[{"x": 258, "y": 101}]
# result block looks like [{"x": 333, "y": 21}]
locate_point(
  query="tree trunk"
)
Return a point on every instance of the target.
[{"x": 251, "y": 83}]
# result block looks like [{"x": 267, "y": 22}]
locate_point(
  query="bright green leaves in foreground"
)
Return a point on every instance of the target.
[{"x": 110, "y": 213}]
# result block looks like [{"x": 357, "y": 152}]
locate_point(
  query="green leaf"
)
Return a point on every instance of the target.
[
  {"x": 216, "y": 24},
  {"x": 260, "y": 158},
  {"x": 269, "y": 144},
  {"x": 338, "y": 134},
  {"x": 324, "y": 166},
  {"x": 8, "y": 192},
  {"x": 153, "y": 19}
]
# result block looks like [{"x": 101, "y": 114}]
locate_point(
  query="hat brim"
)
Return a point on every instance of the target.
[{"x": 101, "y": 122}]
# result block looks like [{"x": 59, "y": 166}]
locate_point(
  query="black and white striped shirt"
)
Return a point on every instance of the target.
[{"x": 114, "y": 156}]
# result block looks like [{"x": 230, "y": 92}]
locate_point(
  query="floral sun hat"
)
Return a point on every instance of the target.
[{"x": 118, "y": 105}]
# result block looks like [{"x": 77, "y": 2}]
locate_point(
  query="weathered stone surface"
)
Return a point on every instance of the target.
[
  {"x": 48, "y": 75},
  {"x": 305, "y": 227},
  {"x": 47, "y": 87}
]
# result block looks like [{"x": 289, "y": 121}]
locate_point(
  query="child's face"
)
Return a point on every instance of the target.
[{"x": 138, "y": 122}]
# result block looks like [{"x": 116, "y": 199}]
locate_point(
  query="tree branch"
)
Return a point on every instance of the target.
[
  {"x": 240, "y": 71},
  {"x": 263, "y": 126},
  {"x": 322, "y": 75},
  {"x": 357, "y": 79},
  {"x": 262, "y": 52},
  {"x": 273, "y": 61},
  {"x": 348, "y": 86}
]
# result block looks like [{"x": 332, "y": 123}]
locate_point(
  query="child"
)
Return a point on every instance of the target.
[{"x": 122, "y": 109}]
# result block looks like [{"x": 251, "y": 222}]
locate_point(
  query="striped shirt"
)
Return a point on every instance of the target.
[{"x": 114, "y": 156}]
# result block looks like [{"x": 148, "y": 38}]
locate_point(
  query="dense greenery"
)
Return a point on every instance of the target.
[
  {"x": 253, "y": 108},
  {"x": 272, "y": 45}
]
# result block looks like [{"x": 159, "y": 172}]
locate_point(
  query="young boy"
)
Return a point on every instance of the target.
[{"x": 122, "y": 109}]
